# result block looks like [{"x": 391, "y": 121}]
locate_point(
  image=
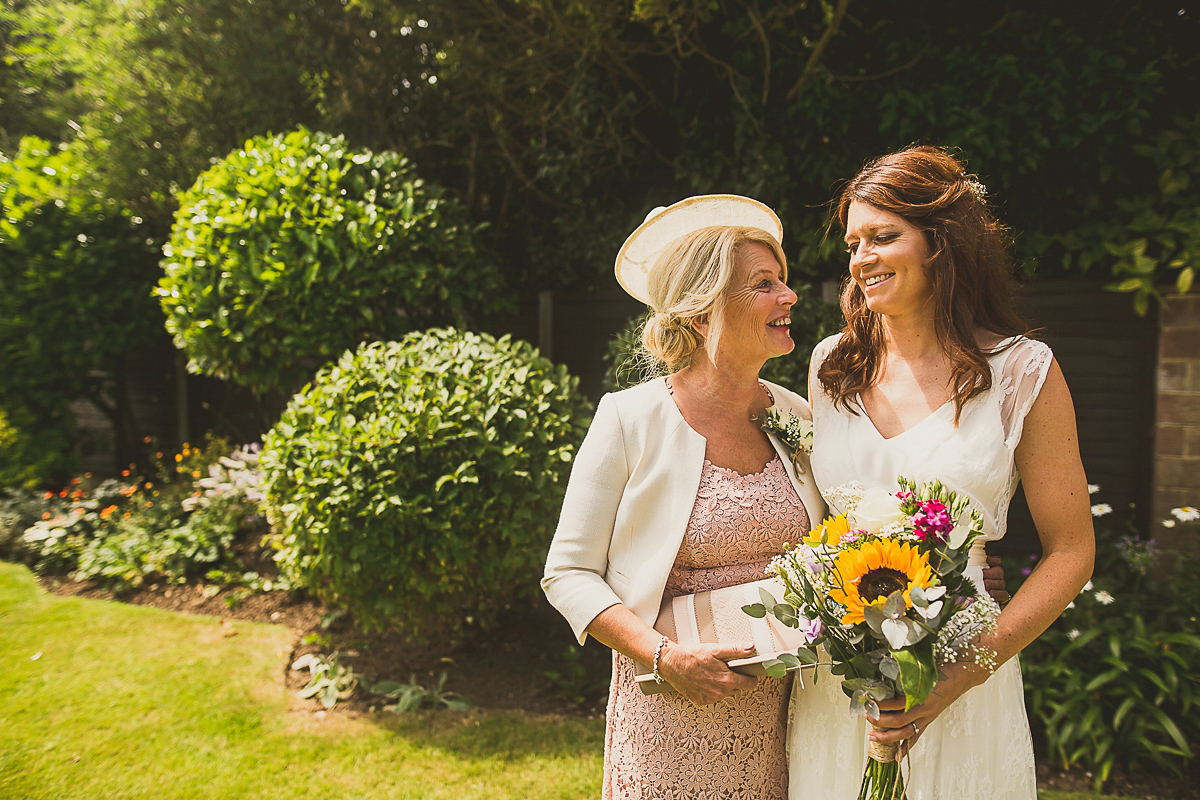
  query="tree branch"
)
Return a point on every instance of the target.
[{"x": 815, "y": 58}]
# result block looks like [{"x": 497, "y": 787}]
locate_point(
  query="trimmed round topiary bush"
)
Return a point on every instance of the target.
[
  {"x": 297, "y": 247},
  {"x": 417, "y": 483}
]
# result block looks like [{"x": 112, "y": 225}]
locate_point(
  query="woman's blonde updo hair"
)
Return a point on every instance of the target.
[{"x": 688, "y": 282}]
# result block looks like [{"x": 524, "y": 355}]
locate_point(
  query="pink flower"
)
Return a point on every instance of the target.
[
  {"x": 932, "y": 520},
  {"x": 811, "y": 628}
]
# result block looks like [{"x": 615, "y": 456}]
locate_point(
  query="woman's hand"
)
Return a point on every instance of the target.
[
  {"x": 905, "y": 727},
  {"x": 993, "y": 581},
  {"x": 701, "y": 674}
]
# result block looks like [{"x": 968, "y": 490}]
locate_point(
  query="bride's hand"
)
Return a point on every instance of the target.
[
  {"x": 701, "y": 674},
  {"x": 905, "y": 727}
]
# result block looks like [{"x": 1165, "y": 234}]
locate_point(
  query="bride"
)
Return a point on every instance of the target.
[{"x": 934, "y": 377}]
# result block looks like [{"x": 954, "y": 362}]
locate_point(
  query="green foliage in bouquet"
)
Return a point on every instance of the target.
[
  {"x": 419, "y": 480},
  {"x": 296, "y": 247},
  {"x": 812, "y": 320}
]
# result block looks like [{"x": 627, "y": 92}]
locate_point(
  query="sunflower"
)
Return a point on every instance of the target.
[
  {"x": 870, "y": 574},
  {"x": 834, "y": 529}
]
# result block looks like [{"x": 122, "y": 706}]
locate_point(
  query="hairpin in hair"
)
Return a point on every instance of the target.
[{"x": 976, "y": 188}]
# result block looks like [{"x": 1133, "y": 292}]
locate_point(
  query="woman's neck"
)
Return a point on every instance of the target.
[
  {"x": 911, "y": 338},
  {"x": 730, "y": 387}
]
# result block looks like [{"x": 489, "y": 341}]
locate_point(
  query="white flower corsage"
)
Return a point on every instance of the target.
[{"x": 794, "y": 431}]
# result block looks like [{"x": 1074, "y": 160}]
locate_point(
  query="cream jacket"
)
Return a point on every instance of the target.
[{"x": 628, "y": 502}]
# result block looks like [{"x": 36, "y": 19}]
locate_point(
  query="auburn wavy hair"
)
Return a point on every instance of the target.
[{"x": 969, "y": 266}]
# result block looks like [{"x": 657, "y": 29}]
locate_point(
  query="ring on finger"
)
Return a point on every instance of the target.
[{"x": 916, "y": 730}]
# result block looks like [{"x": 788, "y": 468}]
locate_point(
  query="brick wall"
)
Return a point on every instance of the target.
[{"x": 1177, "y": 429}]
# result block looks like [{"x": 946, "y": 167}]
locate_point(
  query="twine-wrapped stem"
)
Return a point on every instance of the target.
[
  {"x": 882, "y": 779},
  {"x": 883, "y": 752}
]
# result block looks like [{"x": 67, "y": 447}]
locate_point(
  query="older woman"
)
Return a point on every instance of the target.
[
  {"x": 676, "y": 490},
  {"x": 934, "y": 377}
]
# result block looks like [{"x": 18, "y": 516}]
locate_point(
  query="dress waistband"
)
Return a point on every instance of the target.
[{"x": 978, "y": 555}]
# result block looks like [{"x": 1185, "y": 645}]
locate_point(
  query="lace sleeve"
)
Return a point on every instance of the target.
[
  {"x": 1021, "y": 375},
  {"x": 818, "y": 355}
]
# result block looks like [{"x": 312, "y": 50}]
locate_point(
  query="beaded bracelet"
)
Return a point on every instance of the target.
[{"x": 657, "y": 656}]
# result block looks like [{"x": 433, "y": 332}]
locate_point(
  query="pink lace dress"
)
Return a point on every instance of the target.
[{"x": 662, "y": 746}]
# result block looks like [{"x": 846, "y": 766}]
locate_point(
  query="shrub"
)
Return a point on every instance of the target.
[
  {"x": 812, "y": 320},
  {"x": 418, "y": 481},
  {"x": 295, "y": 248},
  {"x": 122, "y": 533},
  {"x": 77, "y": 271},
  {"x": 1116, "y": 679}
]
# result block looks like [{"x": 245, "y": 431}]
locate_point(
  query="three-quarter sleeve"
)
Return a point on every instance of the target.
[{"x": 578, "y": 559}]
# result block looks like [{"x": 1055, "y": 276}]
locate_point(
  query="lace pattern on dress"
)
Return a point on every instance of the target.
[
  {"x": 1020, "y": 372},
  {"x": 663, "y": 747}
]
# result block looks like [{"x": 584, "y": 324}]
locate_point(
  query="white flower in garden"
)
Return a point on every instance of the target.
[
  {"x": 1093, "y": 488},
  {"x": 1104, "y": 598},
  {"x": 1071, "y": 604},
  {"x": 1073, "y": 634},
  {"x": 1100, "y": 509},
  {"x": 1087, "y": 587},
  {"x": 876, "y": 510},
  {"x": 1186, "y": 513},
  {"x": 1168, "y": 523}
]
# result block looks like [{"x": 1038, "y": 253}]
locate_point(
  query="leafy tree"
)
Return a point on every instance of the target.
[
  {"x": 297, "y": 247},
  {"x": 75, "y": 270},
  {"x": 582, "y": 116}
]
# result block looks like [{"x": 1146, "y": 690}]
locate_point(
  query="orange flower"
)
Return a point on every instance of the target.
[
  {"x": 106, "y": 513},
  {"x": 63, "y": 493},
  {"x": 47, "y": 495},
  {"x": 45, "y": 515},
  {"x": 124, "y": 473},
  {"x": 147, "y": 485}
]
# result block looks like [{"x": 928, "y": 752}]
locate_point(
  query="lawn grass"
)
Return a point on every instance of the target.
[{"x": 132, "y": 702}]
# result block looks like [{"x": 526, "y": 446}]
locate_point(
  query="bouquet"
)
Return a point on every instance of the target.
[{"x": 883, "y": 588}]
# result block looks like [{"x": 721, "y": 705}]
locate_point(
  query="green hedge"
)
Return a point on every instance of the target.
[{"x": 417, "y": 482}]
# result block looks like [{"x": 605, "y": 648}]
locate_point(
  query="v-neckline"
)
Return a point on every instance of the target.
[
  {"x": 910, "y": 428},
  {"x": 999, "y": 348}
]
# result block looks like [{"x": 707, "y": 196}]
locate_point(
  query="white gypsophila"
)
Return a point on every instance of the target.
[
  {"x": 898, "y": 530},
  {"x": 846, "y": 495},
  {"x": 956, "y": 639}
]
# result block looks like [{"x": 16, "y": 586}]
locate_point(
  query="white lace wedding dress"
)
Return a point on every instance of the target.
[{"x": 980, "y": 746}]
